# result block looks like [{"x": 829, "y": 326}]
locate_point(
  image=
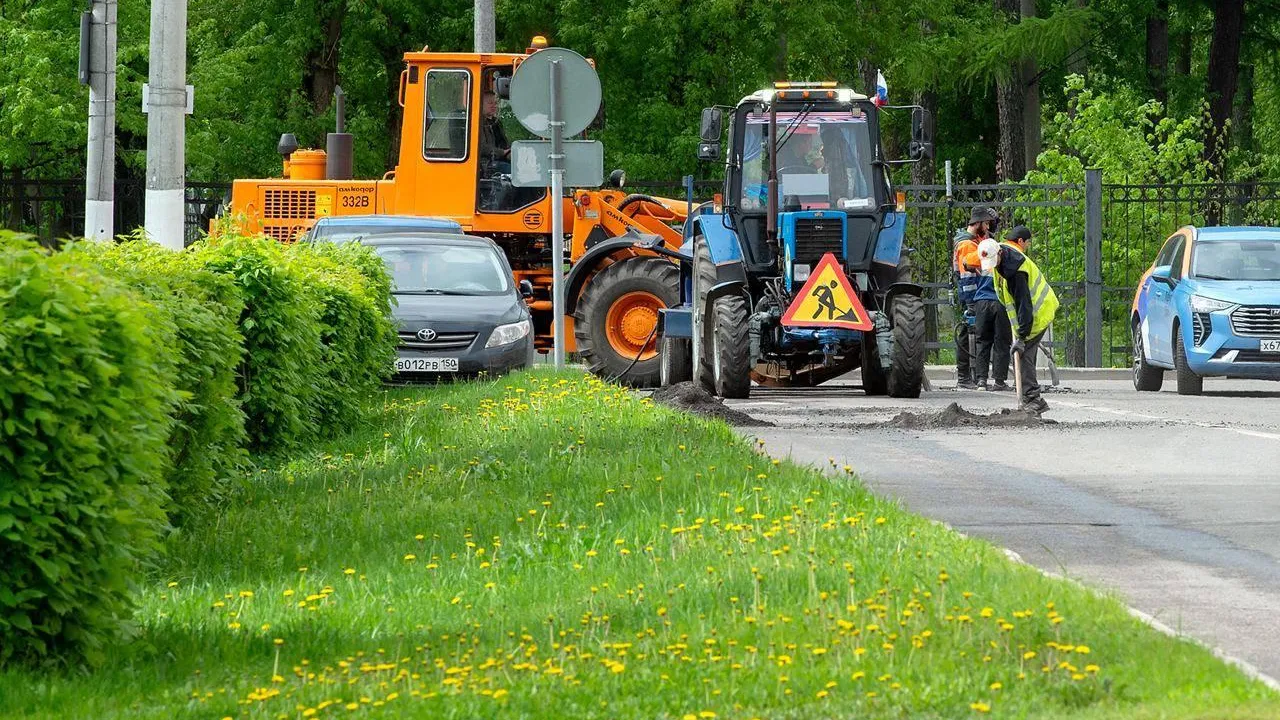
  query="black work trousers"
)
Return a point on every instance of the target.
[
  {"x": 994, "y": 338},
  {"x": 1030, "y": 387},
  {"x": 964, "y": 357}
]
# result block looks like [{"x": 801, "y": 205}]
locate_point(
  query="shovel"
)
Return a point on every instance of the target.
[{"x": 1017, "y": 375}]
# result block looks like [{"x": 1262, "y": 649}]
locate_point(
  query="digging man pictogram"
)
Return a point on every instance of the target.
[{"x": 827, "y": 302}]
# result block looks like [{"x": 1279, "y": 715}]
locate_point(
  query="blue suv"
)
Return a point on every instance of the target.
[{"x": 1209, "y": 306}]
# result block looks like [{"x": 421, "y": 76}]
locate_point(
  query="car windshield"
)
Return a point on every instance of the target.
[
  {"x": 340, "y": 235},
  {"x": 823, "y": 161},
  {"x": 1247, "y": 260},
  {"x": 444, "y": 270}
]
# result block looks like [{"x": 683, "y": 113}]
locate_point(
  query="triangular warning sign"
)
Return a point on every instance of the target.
[{"x": 827, "y": 300}]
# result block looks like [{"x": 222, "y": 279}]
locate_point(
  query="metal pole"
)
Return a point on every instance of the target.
[
  {"x": 1093, "y": 267},
  {"x": 100, "y": 185},
  {"x": 166, "y": 124},
  {"x": 557, "y": 216},
  {"x": 484, "y": 26},
  {"x": 947, "y": 170}
]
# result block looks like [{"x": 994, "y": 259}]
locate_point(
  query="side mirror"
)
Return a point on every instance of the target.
[
  {"x": 708, "y": 150},
  {"x": 1162, "y": 274},
  {"x": 712, "y": 125},
  {"x": 617, "y": 178},
  {"x": 526, "y": 289},
  {"x": 921, "y": 134},
  {"x": 502, "y": 86}
]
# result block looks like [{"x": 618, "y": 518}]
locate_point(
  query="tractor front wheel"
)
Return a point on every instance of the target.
[
  {"x": 731, "y": 348},
  {"x": 617, "y": 315},
  {"x": 906, "y": 373}
]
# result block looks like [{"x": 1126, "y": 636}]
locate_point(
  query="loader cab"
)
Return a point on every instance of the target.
[
  {"x": 455, "y": 143},
  {"x": 832, "y": 187}
]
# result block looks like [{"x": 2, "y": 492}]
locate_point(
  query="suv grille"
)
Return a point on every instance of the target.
[
  {"x": 816, "y": 237},
  {"x": 443, "y": 341},
  {"x": 1200, "y": 325},
  {"x": 289, "y": 204},
  {"x": 1256, "y": 321}
]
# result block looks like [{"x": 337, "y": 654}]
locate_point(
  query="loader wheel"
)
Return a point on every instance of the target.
[
  {"x": 616, "y": 317},
  {"x": 731, "y": 348},
  {"x": 676, "y": 362},
  {"x": 906, "y": 374}
]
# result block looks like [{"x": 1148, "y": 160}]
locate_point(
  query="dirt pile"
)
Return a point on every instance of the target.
[
  {"x": 954, "y": 416},
  {"x": 689, "y": 397}
]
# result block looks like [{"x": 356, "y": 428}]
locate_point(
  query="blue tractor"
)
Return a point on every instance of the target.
[{"x": 805, "y": 177}]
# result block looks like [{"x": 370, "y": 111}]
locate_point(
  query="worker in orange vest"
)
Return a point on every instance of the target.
[{"x": 983, "y": 223}]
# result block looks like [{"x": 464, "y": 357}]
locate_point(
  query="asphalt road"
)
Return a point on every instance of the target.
[{"x": 1173, "y": 502}]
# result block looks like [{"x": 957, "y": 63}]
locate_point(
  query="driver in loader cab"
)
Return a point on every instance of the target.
[{"x": 495, "y": 149}]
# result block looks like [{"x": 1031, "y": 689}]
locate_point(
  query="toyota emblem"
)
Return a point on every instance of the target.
[{"x": 427, "y": 335}]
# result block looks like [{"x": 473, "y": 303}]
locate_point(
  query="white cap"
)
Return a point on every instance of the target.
[{"x": 989, "y": 253}]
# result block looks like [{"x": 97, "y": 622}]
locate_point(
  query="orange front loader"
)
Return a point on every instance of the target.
[{"x": 613, "y": 288}]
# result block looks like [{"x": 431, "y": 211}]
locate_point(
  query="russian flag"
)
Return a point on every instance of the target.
[{"x": 882, "y": 90}]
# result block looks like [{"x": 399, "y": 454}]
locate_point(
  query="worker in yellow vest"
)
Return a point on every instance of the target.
[{"x": 1028, "y": 299}]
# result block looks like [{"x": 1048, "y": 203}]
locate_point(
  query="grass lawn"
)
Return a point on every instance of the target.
[{"x": 549, "y": 546}]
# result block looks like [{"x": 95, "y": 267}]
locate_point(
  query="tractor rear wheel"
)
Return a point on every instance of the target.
[
  {"x": 617, "y": 316},
  {"x": 906, "y": 374}
]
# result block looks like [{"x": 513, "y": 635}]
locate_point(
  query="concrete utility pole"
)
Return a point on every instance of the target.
[
  {"x": 484, "y": 26},
  {"x": 166, "y": 124},
  {"x": 99, "y": 184}
]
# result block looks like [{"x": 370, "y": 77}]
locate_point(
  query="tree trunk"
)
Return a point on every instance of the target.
[
  {"x": 1158, "y": 51},
  {"x": 1222, "y": 77},
  {"x": 1030, "y": 99},
  {"x": 1242, "y": 116},
  {"x": 780, "y": 61},
  {"x": 1182, "y": 61},
  {"x": 1011, "y": 158},
  {"x": 1079, "y": 62},
  {"x": 321, "y": 74}
]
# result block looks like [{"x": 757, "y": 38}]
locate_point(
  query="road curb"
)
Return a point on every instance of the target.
[
  {"x": 1243, "y": 666},
  {"x": 947, "y": 373}
]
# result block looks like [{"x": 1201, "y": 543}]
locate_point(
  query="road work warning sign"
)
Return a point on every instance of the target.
[{"x": 827, "y": 300}]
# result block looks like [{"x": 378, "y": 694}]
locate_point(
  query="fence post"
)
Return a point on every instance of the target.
[{"x": 1093, "y": 335}]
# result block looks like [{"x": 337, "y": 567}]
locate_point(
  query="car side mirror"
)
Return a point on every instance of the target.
[
  {"x": 502, "y": 86},
  {"x": 921, "y": 134},
  {"x": 526, "y": 289},
  {"x": 1163, "y": 274}
]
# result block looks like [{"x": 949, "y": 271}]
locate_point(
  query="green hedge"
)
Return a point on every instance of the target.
[
  {"x": 86, "y": 392},
  {"x": 283, "y": 371},
  {"x": 359, "y": 339},
  {"x": 133, "y": 383},
  {"x": 202, "y": 310}
]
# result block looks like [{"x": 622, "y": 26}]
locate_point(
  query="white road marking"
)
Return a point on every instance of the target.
[{"x": 1177, "y": 421}]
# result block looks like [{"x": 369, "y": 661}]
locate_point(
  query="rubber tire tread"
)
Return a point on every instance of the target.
[
  {"x": 875, "y": 381},
  {"x": 735, "y": 347},
  {"x": 1146, "y": 377},
  {"x": 676, "y": 359},
  {"x": 906, "y": 374},
  {"x": 654, "y": 275},
  {"x": 1189, "y": 383},
  {"x": 704, "y": 375}
]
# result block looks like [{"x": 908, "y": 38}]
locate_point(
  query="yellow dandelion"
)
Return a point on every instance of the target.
[{"x": 980, "y": 707}]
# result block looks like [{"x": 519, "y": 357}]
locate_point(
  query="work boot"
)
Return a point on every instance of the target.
[
  {"x": 1035, "y": 407},
  {"x": 966, "y": 384},
  {"x": 999, "y": 386}
]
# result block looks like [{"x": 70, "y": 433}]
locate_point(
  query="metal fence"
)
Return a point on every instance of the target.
[
  {"x": 1093, "y": 240},
  {"x": 53, "y": 210}
]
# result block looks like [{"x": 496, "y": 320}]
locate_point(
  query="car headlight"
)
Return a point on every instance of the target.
[
  {"x": 1202, "y": 304},
  {"x": 507, "y": 334}
]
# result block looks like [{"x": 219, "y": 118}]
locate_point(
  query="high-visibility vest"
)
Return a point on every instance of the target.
[{"x": 1044, "y": 302}]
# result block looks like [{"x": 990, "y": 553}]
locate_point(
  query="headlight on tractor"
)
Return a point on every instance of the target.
[
  {"x": 1202, "y": 304},
  {"x": 507, "y": 334}
]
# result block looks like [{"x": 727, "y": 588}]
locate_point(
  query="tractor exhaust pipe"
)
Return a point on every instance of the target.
[{"x": 340, "y": 145}]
